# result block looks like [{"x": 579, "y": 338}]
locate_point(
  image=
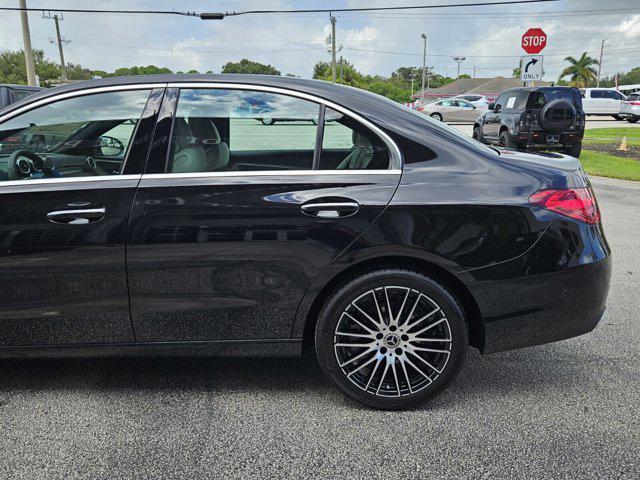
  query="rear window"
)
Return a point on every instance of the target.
[
  {"x": 539, "y": 98},
  {"x": 20, "y": 94},
  {"x": 633, "y": 97}
]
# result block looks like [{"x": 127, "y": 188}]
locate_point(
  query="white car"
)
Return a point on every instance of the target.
[
  {"x": 602, "y": 101},
  {"x": 478, "y": 101},
  {"x": 630, "y": 108}
]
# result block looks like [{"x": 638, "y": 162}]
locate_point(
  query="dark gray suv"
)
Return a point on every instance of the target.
[{"x": 534, "y": 118}]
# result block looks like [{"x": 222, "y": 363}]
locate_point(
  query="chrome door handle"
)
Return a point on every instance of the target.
[
  {"x": 330, "y": 209},
  {"x": 78, "y": 216}
]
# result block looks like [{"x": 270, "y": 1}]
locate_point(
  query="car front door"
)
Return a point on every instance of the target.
[
  {"x": 467, "y": 112},
  {"x": 65, "y": 195},
  {"x": 492, "y": 119},
  {"x": 234, "y": 218}
]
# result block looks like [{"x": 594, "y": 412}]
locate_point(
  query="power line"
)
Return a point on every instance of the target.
[{"x": 221, "y": 15}]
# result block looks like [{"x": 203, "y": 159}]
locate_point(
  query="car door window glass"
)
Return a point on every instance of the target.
[
  {"x": 349, "y": 145},
  {"x": 218, "y": 130},
  {"x": 81, "y": 136},
  {"x": 597, "y": 94},
  {"x": 501, "y": 101}
]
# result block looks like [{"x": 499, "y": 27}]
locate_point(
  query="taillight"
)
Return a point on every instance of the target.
[
  {"x": 577, "y": 203},
  {"x": 634, "y": 103}
]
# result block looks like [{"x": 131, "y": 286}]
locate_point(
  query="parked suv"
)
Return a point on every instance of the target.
[
  {"x": 534, "y": 118},
  {"x": 630, "y": 108},
  {"x": 602, "y": 101}
]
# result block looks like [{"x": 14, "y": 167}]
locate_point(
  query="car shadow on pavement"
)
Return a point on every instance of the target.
[{"x": 512, "y": 373}]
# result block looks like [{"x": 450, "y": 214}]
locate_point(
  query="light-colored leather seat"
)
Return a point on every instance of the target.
[
  {"x": 197, "y": 147},
  {"x": 361, "y": 155}
]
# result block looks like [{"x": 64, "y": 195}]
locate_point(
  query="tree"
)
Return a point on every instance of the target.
[
  {"x": 142, "y": 70},
  {"x": 13, "y": 68},
  {"x": 580, "y": 70},
  {"x": 247, "y": 66},
  {"x": 517, "y": 72}
]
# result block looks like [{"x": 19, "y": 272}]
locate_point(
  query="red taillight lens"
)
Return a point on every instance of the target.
[
  {"x": 577, "y": 203},
  {"x": 635, "y": 103}
]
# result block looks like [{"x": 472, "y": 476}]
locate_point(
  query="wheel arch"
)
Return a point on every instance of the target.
[{"x": 446, "y": 278}]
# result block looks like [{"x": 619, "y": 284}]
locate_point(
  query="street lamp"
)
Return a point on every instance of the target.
[
  {"x": 459, "y": 60},
  {"x": 424, "y": 63}
]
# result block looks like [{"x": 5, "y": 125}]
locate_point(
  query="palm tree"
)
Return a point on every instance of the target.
[{"x": 581, "y": 70}]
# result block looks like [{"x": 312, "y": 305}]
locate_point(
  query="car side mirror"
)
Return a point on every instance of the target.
[{"x": 491, "y": 106}]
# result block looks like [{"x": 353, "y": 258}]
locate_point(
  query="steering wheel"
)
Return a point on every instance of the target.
[{"x": 23, "y": 163}]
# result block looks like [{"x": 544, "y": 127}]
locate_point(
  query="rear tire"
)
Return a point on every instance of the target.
[
  {"x": 504, "y": 140},
  {"x": 477, "y": 134},
  {"x": 436, "y": 116},
  {"x": 633, "y": 119},
  {"x": 393, "y": 371},
  {"x": 574, "y": 150}
]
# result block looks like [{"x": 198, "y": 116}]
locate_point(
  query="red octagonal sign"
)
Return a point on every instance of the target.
[{"x": 534, "y": 40}]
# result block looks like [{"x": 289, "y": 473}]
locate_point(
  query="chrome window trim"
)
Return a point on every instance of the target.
[
  {"x": 266, "y": 173},
  {"x": 395, "y": 162},
  {"x": 59, "y": 180},
  {"x": 79, "y": 93}
]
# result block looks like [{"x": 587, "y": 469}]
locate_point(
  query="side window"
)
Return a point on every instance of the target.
[
  {"x": 349, "y": 145},
  {"x": 597, "y": 94},
  {"x": 217, "y": 130},
  {"x": 502, "y": 100},
  {"x": 20, "y": 94},
  {"x": 80, "y": 136}
]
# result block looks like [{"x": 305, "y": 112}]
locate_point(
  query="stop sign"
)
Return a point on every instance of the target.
[{"x": 534, "y": 40}]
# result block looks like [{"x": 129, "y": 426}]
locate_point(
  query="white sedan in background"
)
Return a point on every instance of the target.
[
  {"x": 450, "y": 110},
  {"x": 478, "y": 101}
]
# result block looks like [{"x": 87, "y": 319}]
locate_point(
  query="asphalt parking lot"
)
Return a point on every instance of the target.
[{"x": 570, "y": 409}]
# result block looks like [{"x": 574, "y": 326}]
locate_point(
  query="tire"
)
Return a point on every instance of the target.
[
  {"x": 633, "y": 119},
  {"x": 477, "y": 134},
  {"x": 504, "y": 140},
  {"x": 574, "y": 150},
  {"x": 366, "y": 374},
  {"x": 436, "y": 116},
  {"x": 267, "y": 120}
]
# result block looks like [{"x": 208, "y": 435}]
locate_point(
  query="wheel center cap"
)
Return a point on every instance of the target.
[{"x": 392, "y": 340}]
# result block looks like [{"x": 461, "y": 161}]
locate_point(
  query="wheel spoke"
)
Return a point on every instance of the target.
[
  {"x": 418, "y": 370},
  {"x": 389, "y": 312},
  {"x": 421, "y": 319},
  {"x": 424, "y": 361},
  {"x": 384, "y": 373},
  {"x": 354, "y": 345},
  {"x": 357, "y": 357},
  {"x": 431, "y": 325},
  {"x": 406, "y": 376},
  {"x": 355, "y": 335},
  {"x": 402, "y": 307},
  {"x": 434, "y": 350},
  {"x": 375, "y": 300},
  {"x": 358, "y": 322},
  {"x": 395, "y": 376},
  {"x": 373, "y": 372},
  {"x": 432, "y": 340},
  {"x": 365, "y": 314},
  {"x": 362, "y": 366},
  {"x": 413, "y": 309}
]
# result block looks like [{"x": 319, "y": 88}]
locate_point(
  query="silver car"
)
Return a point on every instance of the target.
[
  {"x": 630, "y": 108},
  {"x": 451, "y": 110}
]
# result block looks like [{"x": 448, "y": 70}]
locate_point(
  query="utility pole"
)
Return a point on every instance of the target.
[
  {"x": 59, "y": 41},
  {"x": 459, "y": 60},
  {"x": 341, "y": 69},
  {"x": 600, "y": 63},
  {"x": 333, "y": 48},
  {"x": 424, "y": 63},
  {"x": 26, "y": 40}
]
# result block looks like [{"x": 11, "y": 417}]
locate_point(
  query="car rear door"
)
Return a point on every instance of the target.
[
  {"x": 64, "y": 203},
  {"x": 225, "y": 249}
]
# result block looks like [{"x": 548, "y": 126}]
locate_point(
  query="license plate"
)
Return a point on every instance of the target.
[{"x": 553, "y": 138}]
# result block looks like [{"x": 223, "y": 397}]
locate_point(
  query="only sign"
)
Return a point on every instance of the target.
[{"x": 534, "y": 40}]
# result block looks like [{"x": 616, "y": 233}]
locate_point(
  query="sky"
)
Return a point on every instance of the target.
[{"x": 375, "y": 42}]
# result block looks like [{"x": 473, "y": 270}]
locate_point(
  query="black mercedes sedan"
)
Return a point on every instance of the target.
[{"x": 155, "y": 215}]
